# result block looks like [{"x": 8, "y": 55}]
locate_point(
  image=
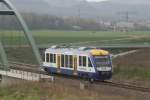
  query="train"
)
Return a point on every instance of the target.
[{"x": 89, "y": 63}]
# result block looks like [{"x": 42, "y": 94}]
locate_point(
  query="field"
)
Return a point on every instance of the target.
[
  {"x": 92, "y": 38},
  {"x": 46, "y": 38}
]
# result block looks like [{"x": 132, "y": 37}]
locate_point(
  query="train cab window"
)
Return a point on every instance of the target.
[
  {"x": 47, "y": 57},
  {"x": 82, "y": 61},
  {"x": 89, "y": 63}
]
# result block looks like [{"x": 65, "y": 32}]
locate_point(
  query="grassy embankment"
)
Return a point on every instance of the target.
[
  {"x": 41, "y": 91},
  {"x": 134, "y": 66},
  {"x": 132, "y": 72}
]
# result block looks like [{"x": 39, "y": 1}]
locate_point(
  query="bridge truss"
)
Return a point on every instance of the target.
[{"x": 14, "y": 12}]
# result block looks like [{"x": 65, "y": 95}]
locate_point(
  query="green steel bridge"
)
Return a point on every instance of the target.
[{"x": 10, "y": 68}]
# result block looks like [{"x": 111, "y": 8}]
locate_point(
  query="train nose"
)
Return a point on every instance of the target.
[{"x": 105, "y": 75}]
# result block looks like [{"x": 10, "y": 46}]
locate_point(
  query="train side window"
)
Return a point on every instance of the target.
[
  {"x": 71, "y": 61},
  {"x": 84, "y": 61},
  {"x": 62, "y": 60},
  {"x": 80, "y": 61},
  {"x": 89, "y": 63},
  {"x": 47, "y": 57},
  {"x": 54, "y": 58},
  {"x": 51, "y": 58},
  {"x": 66, "y": 61}
]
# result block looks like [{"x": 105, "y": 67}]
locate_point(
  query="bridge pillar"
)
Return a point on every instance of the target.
[
  {"x": 47, "y": 79},
  {"x": 0, "y": 78},
  {"x": 3, "y": 57},
  {"x": 52, "y": 78},
  {"x": 84, "y": 84}
]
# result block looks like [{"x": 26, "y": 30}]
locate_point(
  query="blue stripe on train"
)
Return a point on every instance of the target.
[
  {"x": 96, "y": 76},
  {"x": 51, "y": 69},
  {"x": 62, "y": 71},
  {"x": 70, "y": 72},
  {"x": 66, "y": 71}
]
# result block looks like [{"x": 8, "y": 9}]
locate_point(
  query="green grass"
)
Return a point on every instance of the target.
[
  {"x": 58, "y": 37},
  {"x": 22, "y": 91},
  {"x": 134, "y": 73},
  {"x": 51, "y": 37},
  {"x": 39, "y": 91}
]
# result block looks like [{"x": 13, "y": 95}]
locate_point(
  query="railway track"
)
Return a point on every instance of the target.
[
  {"x": 127, "y": 86},
  {"x": 124, "y": 85},
  {"x": 26, "y": 67},
  {"x": 32, "y": 68}
]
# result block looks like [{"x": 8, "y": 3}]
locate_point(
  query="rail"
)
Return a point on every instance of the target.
[
  {"x": 25, "y": 67},
  {"x": 124, "y": 85},
  {"x": 24, "y": 72}
]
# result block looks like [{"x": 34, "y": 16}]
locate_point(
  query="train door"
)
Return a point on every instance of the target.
[
  {"x": 58, "y": 62},
  {"x": 75, "y": 64}
]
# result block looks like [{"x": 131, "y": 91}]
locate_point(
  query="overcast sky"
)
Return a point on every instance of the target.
[{"x": 95, "y": 0}]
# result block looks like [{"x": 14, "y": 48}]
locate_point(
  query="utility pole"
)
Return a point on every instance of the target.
[
  {"x": 125, "y": 18},
  {"x": 126, "y": 15}
]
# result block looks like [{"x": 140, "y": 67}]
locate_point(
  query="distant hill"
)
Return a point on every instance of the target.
[
  {"x": 131, "y": 2},
  {"x": 103, "y": 10}
]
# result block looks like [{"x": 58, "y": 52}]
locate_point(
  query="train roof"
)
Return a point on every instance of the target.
[{"x": 78, "y": 51}]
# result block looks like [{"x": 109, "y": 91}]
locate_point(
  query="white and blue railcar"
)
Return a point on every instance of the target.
[{"x": 95, "y": 64}]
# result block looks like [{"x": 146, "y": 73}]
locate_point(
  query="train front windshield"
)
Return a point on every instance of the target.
[{"x": 103, "y": 63}]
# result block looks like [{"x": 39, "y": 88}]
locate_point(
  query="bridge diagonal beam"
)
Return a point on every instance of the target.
[
  {"x": 3, "y": 58},
  {"x": 25, "y": 28}
]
